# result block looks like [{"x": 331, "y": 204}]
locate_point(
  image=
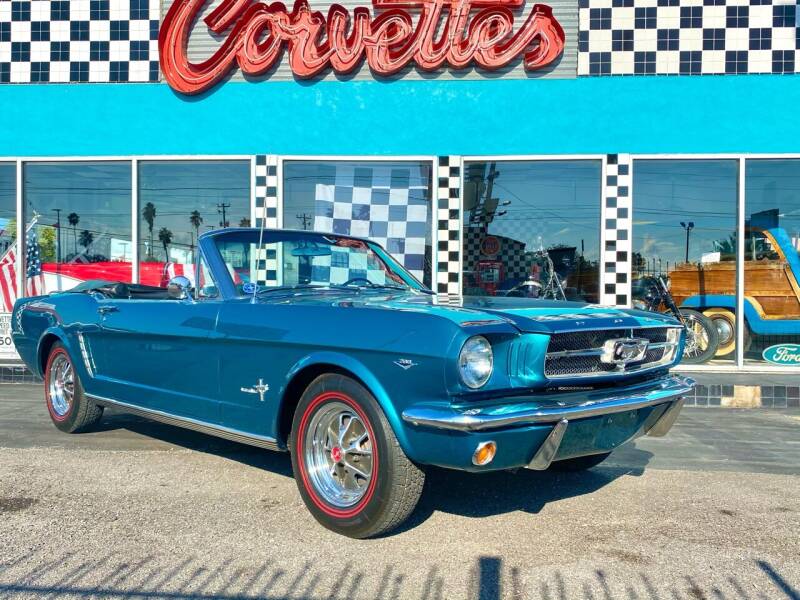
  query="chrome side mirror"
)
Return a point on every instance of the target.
[{"x": 179, "y": 288}]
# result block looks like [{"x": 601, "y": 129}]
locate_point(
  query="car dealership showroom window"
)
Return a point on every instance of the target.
[
  {"x": 387, "y": 201},
  {"x": 531, "y": 229}
]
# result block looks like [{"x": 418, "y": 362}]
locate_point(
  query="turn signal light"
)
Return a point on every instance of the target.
[{"x": 484, "y": 453}]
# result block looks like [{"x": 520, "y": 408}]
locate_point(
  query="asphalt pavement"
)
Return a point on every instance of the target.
[{"x": 144, "y": 510}]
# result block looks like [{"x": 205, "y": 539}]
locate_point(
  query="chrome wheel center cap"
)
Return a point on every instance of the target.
[{"x": 337, "y": 454}]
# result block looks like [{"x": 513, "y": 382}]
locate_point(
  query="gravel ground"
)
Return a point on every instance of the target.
[{"x": 141, "y": 510}]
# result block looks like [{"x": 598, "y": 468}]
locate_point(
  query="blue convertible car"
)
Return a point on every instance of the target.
[{"x": 325, "y": 347}]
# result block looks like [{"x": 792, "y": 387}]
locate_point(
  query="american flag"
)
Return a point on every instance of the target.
[{"x": 8, "y": 272}]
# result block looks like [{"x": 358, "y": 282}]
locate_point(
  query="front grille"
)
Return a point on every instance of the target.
[{"x": 578, "y": 353}]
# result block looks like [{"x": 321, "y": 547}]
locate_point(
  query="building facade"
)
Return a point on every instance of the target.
[{"x": 621, "y": 139}]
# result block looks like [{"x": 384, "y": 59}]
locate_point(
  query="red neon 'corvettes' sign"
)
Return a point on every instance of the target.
[{"x": 390, "y": 40}]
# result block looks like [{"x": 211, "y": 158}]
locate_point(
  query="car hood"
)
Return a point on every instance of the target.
[{"x": 526, "y": 314}]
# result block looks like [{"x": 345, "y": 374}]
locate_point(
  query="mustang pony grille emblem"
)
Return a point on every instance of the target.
[
  {"x": 260, "y": 388},
  {"x": 622, "y": 351},
  {"x": 405, "y": 363}
]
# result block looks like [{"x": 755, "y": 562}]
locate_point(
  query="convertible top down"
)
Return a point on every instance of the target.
[{"x": 324, "y": 346}]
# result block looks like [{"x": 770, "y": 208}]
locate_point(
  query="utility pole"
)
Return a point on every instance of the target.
[
  {"x": 688, "y": 227},
  {"x": 58, "y": 233},
  {"x": 305, "y": 219},
  {"x": 221, "y": 209}
]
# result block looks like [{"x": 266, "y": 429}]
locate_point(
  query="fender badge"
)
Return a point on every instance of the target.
[
  {"x": 405, "y": 363},
  {"x": 260, "y": 388}
]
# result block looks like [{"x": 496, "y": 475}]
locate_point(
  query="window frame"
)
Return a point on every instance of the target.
[
  {"x": 601, "y": 237},
  {"x": 408, "y": 158}
]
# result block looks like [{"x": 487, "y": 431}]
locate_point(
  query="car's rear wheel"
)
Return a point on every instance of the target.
[
  {"x": 580, "y": 463},
  {"x": 350, "y": 470},
  {"x": 70, "y": 410}
]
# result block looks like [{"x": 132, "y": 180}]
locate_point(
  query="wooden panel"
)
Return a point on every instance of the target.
[{"x": 767, "y": 282}]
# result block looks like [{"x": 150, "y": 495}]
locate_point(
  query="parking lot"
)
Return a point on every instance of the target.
[{"x": 144, "y": 510}]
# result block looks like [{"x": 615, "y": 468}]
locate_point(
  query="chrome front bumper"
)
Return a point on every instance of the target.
[{"x": 530, "y": 412}]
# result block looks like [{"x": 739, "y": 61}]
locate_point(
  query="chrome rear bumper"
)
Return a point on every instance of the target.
[{"x": 531, "y": 412}]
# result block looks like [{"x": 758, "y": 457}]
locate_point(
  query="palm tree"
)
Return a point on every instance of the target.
[
  {"x": 86, "y": 239},
  {"x": 196, "y": 219},
  {"x": 245, "y": 222},
  {"x": 73, "y": 220},
  {"x": 149, "y": 215},
  {"x": 165, "y": 237}
]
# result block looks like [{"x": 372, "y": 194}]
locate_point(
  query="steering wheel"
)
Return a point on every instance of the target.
[{"x": 355, "y": 279}]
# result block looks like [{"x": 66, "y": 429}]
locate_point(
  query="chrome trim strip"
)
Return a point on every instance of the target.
[
  {"x": 88, "y": 360},
  {"x": 672, "y": 388},
  {"x": 599, "y": 351},
  {"x": 602, "y": 374},
  {"x": 549, "y": 448},
  {"x": 667, "y": 420},
  {"x": 262, "y": 441}
]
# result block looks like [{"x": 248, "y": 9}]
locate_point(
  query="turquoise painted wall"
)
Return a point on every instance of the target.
[{"x": 692, "y": 114}]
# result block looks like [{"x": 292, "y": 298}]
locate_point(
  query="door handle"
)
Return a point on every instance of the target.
[{"x": 104, "y": 310}]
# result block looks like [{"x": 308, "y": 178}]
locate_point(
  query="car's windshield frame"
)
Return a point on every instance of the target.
[{"x": 208, "y": 245}]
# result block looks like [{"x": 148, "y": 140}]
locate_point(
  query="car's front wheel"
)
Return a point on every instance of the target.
[
  {"x": 350, "y": 470},
  {"x": 70, "y": 410}
]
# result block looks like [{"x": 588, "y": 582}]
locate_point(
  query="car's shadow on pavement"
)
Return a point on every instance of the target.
[{"x": 454, "y": 492}]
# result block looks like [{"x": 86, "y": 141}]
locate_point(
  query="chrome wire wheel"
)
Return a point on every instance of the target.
[
  {"x": 61, "y": 385},
  {"x": 338, "y": 455},
  {"x": 697, "y": 340}
]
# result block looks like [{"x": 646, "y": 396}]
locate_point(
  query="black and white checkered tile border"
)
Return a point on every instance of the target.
[
  {"x": 690, "y": 37},
  {"x": 615, "y": 281},
  {"x": 448, "y": 197},
  {"x": 266, "y": 209},
  {"x": 71, "y": 41}
]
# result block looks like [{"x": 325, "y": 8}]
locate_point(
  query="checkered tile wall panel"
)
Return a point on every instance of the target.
[
  {"x": 266, "y": 190},
  {"x": 448, "y": 195},
  {"x": 70, "y": 41},
  {"x": 616, "y": 233},
  {"x": 689, "y": 37},
  {"x": 266, "y": 193}
]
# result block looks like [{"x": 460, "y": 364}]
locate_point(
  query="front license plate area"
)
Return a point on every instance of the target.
[{"x": 601, "y": 434}]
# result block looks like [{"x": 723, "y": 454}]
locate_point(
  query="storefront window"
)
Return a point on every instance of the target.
[
  {"x": 386, "y": 201},
  {"x": 78, "y": 220},
  {"x": 8, "y": 206},
  {"x": 771, "y": 262},
  {"x": 178, "y": 201},
  {"x": 684, "y": 230},
  {"x": 531, "y": 229}
]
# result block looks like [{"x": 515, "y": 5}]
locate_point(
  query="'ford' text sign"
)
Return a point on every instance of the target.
[{"x": 783, "y": 354}]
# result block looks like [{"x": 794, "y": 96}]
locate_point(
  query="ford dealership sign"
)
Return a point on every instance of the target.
[{"x": 783, "y": 354}]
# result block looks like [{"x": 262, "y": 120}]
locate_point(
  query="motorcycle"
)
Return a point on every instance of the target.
[{"x": 702, "y": 338}]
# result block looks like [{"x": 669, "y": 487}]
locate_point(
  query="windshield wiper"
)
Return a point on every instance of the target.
[{"x": 289, "y": 288}]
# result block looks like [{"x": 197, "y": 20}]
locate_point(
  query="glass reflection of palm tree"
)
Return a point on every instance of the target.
[
  {"x": 196, "y": 219},
  {"x": 149, "y": 215},
  {"x": 73, "y": 220},
  {"x": 165, "y": 237},
  {"x": 86, "y": 239}
]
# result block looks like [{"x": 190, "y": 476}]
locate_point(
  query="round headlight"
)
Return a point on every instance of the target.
[{"x": 475, "y": 362}]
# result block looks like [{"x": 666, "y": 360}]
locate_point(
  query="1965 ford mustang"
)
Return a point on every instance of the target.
[{"x": 324, "y": 346}]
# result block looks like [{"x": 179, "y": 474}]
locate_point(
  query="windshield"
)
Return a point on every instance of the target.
[{"x": 293, "y": 260}]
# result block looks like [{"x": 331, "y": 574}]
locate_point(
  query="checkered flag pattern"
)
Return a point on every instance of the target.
[
  {"x": 266, "y": 207},
  {"x": 345, "y": 264},
  {"x": 616, "y": 234},
  {"x": 388, "y": 204},
  {"x": 71, "y": 41},
  {"x": 448, "y": 195},
  {"x": 688, "y": 37}
]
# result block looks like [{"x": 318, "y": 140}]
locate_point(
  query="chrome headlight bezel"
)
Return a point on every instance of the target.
[{"x": 476, "y": 362}]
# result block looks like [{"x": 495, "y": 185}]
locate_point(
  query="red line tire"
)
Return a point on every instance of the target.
[
  {"x": 339, "y": 421},
  {"x": 69, "y": 408}
]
